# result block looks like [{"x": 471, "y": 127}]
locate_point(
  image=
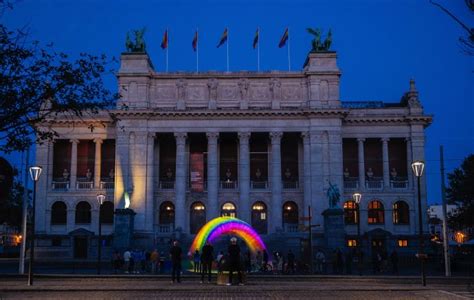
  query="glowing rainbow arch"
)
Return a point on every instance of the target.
[{"x": 227, "y": 225}]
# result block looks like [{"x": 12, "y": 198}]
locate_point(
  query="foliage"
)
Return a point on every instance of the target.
[
  {"x": 467, "y": 41},
  {"x": 38, "y": 84},
  {"x": 461, "y": 191},
  {"x": 11, "y": 209}
]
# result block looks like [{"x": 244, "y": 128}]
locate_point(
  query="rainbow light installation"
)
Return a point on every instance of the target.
[{"x": 227, "y": 225}]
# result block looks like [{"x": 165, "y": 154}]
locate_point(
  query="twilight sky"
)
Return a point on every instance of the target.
[{"x": 381, "y": 44}]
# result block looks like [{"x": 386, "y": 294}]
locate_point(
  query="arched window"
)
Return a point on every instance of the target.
[
  {"x": 198, "y": 217},
  {"x": 350, "y": 213},
  {"x": 401, "y": 214},
  {"x": 166, "y": 216},
  {"x": 107, "y": 212},
  {"x": 375, "y": 213},
  {"x": 259, "y": 217},
  {"x": 83, "y": 213},
  {"x": 59, "y": 213},
  {"x": 290, "y": 213},
  {"x": 228, "y": 210}
]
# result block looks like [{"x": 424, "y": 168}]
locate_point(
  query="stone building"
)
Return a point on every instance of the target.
[{"x": 261, "y": 146}]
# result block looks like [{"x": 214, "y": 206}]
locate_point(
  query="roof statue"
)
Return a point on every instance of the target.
[
  {"x": 316, "y": 43},
  {"x": 333, "y": 195},
  {"x": 139, "y": 44}
]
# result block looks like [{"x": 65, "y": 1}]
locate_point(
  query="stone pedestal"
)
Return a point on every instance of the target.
[
  {"x": 123, "y": 232},
  {"x": 334, "y": 228}
]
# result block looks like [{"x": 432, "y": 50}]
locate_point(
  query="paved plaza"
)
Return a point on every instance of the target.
[{"x": 281, "y": 287}]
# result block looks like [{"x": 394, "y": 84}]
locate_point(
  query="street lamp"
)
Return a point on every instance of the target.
[
  {"x": 418, "y": 168},
  {"x": 100, "y": 199},
  {"x": 357, "y": 198},
  {"x": 35, "y": 173}
]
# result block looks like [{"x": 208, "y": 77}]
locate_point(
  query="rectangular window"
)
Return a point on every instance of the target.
[
  {"x": 402, "y": 243},
  {"x": 56, "y": 242},
  {"x": 263, "y": 216},
  {"x": 351, "y": 243}
]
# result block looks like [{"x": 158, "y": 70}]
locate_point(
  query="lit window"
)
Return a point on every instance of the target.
[
  {"x": 263, "y": 216},
  {"x": 402, "y": 243},
  {"x": 351, "y": 243}
]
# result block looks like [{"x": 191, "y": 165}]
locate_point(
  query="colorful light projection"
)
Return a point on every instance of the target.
[{"x": 227, "y": 225}]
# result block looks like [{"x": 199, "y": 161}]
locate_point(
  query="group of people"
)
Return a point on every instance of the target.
[{"x": 136, "y": 261}]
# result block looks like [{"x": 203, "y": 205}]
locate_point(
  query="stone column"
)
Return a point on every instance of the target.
[
  {"x": 306, "y": 172},
  {"x": 180, "y": 188},
  {"x": 212, "y": 176},
  {"x": 73, "y": 173},
  {"x": 244, "y": 176},
  {"x": 361, "y": 164},
  {"x": 121, "y": 168},
  {"x": 409, "y": 161},
  {"x": 97, "y": 162},
  {"x": 276, "y": 181},
  {"x": 149, "y": 203},
  {"x": 386, "y": 166}
]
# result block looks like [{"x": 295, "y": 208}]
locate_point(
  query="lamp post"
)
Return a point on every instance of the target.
[
  {"x": 100, "y": 200},
  {"x": 35, "y": 173},
  {"x": 357, "y": 197},
  {"x": 418, "y": 167}
]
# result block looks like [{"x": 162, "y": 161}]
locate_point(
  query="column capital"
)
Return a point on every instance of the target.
[
  {"x": 305, "y": 136},
  {"x": 151, "y": 135},
  {"x": 74, "y": 141},
  {"x": 98, "y": 140},
  {"x": 276, "y": 136},
  {"x": 407, "y": 139},
  {"x": 180, "y": 137},
  {"x": 212, "y": 137},
  {"x": 385, "y": 139},
  {"x": 243, "y": 135},
  {"x": 361, "y": 140}
]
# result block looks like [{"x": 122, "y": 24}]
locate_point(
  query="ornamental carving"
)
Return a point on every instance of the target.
[
  {"x": 181, "y": 86},
  {"x": 275, "y": 86},
  {"x": 212, "y": 86},
  {"x": 243, "y": 87}
]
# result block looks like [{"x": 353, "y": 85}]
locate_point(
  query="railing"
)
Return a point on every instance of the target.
[
  {"x": 85, "y": 185},
  {"x": 374, "y": 184},
  {"x": 228, "y": 185},
  {"x": 290, "y": 185},
  {"x": 60, "y": 185},
  {"x": 399, "y": 184},
  {"x": 167, "y": 185},
  {"x": 351, "y": 184},
  {"x": 165, "y": 228},
  {"x": 259, "y": 185},
  {"x": 290, "y": 227},
  {"x": 107, "y": 185}
]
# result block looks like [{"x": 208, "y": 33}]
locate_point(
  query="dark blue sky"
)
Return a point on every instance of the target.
[{"x": 381, "y": 44}]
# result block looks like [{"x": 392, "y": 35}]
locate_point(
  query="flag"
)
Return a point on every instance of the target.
[
  {"x": 255, "y": 39},
  {"x": 195, "y": 41},
  {"x": 284, "y": 38},
  {"x": 223, "y": 38},
  {"x": 164, "y": 42}
]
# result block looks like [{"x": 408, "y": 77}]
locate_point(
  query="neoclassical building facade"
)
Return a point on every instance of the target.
[{"x": 264, "y": 147}]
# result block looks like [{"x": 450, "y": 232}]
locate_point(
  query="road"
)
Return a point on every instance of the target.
[{"x": 282, "y": 287}]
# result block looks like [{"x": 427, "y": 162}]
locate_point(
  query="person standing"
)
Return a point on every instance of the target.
[
  {"x": 290, "y": 262},
  {"x": 175, "y": 255},
  {"x": 320, "y": 261},
  {"x": 234, "y": 260},
  {"x": 126, "y": 259},
  {"x": 196, "y": 260},
  {"x": 207, "y": 256},
  {"x": 265, "y": 260},
  {"x": 154, "y": 260},
  {"x": 394, "y": 261}
]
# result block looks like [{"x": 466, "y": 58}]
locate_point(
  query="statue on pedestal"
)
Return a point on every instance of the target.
[
  {"x": 333, "y": 195},
  {"x": 316, "y": 43},
  {"x": 139, "y": 45}
]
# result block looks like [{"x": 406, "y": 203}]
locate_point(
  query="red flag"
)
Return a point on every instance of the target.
[
  {"x": 195, "y": 41},
  {"x": 164, "y": 42},
  {"x": 283, "y": 39}
]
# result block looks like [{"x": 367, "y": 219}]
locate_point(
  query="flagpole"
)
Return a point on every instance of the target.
[
  {"x": 227, "y": 43},
  {"x": 288, "y": 48},
  {"x": 258, "y": 50},
  {"x": 167, "y": 46},
  {"x": 197, "y": 50}
]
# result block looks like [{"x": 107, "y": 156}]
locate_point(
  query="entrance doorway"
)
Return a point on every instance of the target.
[
  {"x": 80, "y": 247},
  {"x": 378, "y": 245}
]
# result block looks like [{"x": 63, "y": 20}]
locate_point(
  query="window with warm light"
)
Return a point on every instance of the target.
[
  {"x": 259, "y": 217},
  {"x": 375, "y": 212},
  {"x": 351, "y": 243},
  {"x": 290, "y": 213},
  {"x": 198, "y": 217},
  {"x": 166, "y": 214},
  {"x": 402, "y": 243},
  {"x": 228, "y": 210},
  {"x": 350, "y": 213},
  {"x": 400, "y": 213}
]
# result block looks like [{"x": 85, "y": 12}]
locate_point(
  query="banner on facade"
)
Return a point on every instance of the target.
[{"x": 197, "y": 172}]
